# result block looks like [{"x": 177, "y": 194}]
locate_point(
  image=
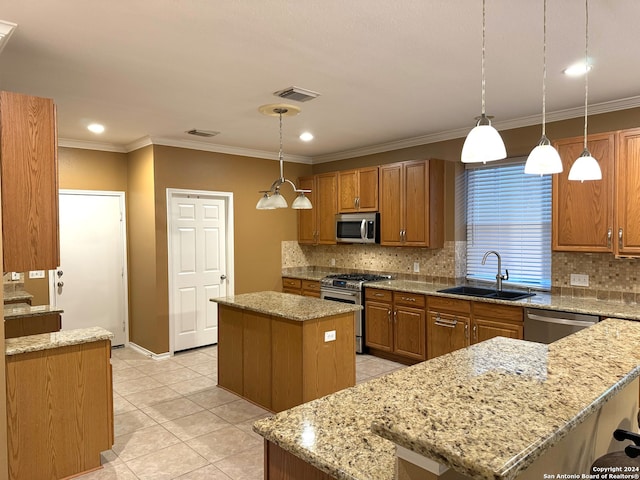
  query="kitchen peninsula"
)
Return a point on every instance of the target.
[
  {"x": 279, "y": 350},
  {"x": 502, "y": 409}
]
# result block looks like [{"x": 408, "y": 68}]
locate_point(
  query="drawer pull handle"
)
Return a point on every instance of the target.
[
  {"x": 408, "y": 299},
  {"x": 378, "y": 294},
  {"x": 446, "y": 323}
]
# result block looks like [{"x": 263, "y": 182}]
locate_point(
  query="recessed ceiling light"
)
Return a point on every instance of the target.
[
  {"x": 577, "y": 69},
  {"x": 96, "y": 128},
  {"x": 306, "y": 136}
]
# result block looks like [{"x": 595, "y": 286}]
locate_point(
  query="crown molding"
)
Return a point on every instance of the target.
[
  {"x": 597, "y": 108},
  {"x": 83, "y": 144}
]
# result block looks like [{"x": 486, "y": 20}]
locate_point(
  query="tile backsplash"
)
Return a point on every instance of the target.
[{"x": 609, "y": 278}]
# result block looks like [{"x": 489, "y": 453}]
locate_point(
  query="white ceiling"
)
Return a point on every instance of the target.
[{"x": 390, "y": 73}]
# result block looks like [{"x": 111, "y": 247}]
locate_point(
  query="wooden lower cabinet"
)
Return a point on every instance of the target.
[
  {"x": 282, "y": 465},
  {"x": 23, "y": 326},
  {"x": 395, "y": 325},
  {"x": 296, "y": 286},
  {"x": 495, "y": 320},
  {"x": 279, "y": 363},
  {"x": 59, "y": 410}
]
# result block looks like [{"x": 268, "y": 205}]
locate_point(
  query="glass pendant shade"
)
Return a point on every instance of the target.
[
  {"x": 278, "y": 200},
  {"x": 585, "y": 168},
  {"x": 264, "y": 203},
  {"x": 483, "y": 144},
  {"x": 301, "y": 202},
  {"x": 543, "y": 159}
]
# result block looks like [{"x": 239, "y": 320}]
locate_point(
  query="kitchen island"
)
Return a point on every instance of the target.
[
  {"x": 498, "y": 409},
  {"x": 279, "y": 350}
]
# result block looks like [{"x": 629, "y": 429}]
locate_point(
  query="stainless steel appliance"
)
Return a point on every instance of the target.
[
  {"x": 547, "y": 326},
  {"x": 349, "y": 288},
  {"x": 358, "y": 227}
]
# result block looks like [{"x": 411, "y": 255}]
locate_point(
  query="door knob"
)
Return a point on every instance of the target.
[
  {"x": 59, "y": 273},
  {"x": 223, "y": 277},
  {"x": 60, "y": 283}
]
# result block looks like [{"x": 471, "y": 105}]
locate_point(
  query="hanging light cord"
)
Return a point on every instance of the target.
[
  {"x": 544, "y": 66},
  {"x": 586, "y": 67},
  {"x": 483, "y": 35}
]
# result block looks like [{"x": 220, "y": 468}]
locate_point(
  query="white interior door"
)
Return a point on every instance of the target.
[
  {"x": 90, "y": 284},
  {"x": 198, "y": 257}
]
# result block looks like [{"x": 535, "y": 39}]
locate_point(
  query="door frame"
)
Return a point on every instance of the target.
[
  {"x": 228, "y": 199},
  {"x": 123, "y": 236}
]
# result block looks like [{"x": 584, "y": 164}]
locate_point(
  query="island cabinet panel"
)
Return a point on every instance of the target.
[
  {"x": 256, "y": 359},
  {"x": 279, "y": 363},
  {"x": 282, "y": 465},
  {"x": 582, "y": 212},
  {"x": 29, "y": 173},
  {"x": 22, "y": 326},
  {"x": 627, "y": 234},
  {"x": 230, "y": 347},
  {"x": 59, "y": 410}
]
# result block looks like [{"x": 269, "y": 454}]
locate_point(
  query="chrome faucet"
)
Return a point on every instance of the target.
[{"x": 499, "y": 276}]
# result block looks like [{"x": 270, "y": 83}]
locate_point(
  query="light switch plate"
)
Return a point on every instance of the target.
[
  {"x": 333, "y": 262},
  {"x": 15, "y": 275},
  {"x": 416, "y": 267},
  {"x": 36, "y": 274},
  {"x": 330, "y": 336},
  {"x": 579, "y": 280}
]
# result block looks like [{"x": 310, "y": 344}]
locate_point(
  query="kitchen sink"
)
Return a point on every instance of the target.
[{"x": 487, "y": 293}]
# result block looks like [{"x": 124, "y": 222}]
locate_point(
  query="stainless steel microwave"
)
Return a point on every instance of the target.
[{"x": 358, "y": 227}]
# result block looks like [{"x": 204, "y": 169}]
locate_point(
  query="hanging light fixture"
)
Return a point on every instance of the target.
[
  {"x": 585, "y": 167},
  {"x": 272, "y": 198},
  {"x": 543, "y": 158},
  {"x": 483, "y": 144}
]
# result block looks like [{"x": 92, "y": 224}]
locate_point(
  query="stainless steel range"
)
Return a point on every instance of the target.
[{"x": 349, "y": 288}]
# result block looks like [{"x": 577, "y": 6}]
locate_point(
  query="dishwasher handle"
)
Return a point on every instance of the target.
[{"x": 561, "y": 321}]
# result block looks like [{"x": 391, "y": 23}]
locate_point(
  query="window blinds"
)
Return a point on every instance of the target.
[{"x": 509, "y": 212}]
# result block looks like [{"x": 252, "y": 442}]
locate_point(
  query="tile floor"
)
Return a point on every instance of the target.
[{"x": 173, "y": 422}]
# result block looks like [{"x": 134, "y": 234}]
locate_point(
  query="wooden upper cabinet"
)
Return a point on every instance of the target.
[
  {"x": 29, "y": 165},
  {"x": 317, "y": 225},
  {"x": 627, "y": 232},
  {"x": 412, "y": 204},
  {"x": 358, "y": 190},
  {"x": 583, "y": 211}
]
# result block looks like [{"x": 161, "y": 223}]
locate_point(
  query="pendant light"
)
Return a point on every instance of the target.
[
  {"x": 483, "y": 144},
  {"x": 544, "y": 158},
  {"x": 585, "y": 167},
  {"x": 272, "y": 199}
]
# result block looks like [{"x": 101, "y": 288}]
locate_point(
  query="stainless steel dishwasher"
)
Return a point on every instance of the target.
[{"x": 547, "y": 326}]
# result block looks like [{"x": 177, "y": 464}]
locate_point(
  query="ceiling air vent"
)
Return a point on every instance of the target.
[
  {"x": 202, "y": 133},
  {"x": 296, "y": 93}
]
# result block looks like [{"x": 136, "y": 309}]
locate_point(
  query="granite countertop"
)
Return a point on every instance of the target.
[
  {"x": 308, "y": 274},
  {"x": 46, "y": 341},
  {"x": 488, "y": 410},
  {"x": 286, "y": 305},
  {"x": 17, "y": 295},
  {"x": 21, "y": 310},
  {"x": 545, "y": 301}
]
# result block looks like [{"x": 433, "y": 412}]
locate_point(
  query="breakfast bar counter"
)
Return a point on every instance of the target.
[
  {"x": 489, "y": 411},
  {"x": 279, "y": 350}
]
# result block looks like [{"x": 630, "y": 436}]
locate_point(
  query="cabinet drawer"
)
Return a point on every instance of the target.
[
  {"x": 291, "y": 282},
  {"x": 379, "y": 295},
  {"x": 311, "y": 285},
  {"x": 450, "y": 304},
  {"x": 493, "y": 311},
  {"x": 409, "y": 299}
]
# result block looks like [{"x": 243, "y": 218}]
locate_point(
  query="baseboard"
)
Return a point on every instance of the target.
[{"x": 148, "y": 353}]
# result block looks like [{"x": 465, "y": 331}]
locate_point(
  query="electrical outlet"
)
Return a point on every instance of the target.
[
  {"x": 36, "y": 274},
  {"x": 416, "y": 267},
  {"x": 579, "y": 280},
  {"x": 333, "y": 262},
  {"x": 15, "y": 275},
  {"x": 330, "y": 336}
]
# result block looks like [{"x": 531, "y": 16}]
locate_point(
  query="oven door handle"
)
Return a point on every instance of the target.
[{"x": 560, "y": 321}]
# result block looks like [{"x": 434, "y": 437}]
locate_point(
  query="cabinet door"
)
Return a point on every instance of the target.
[
  {"x": 627, "y": 234},
  {"x": 368, "y": 189},
  {"x": 446, "y": 333},
  {"x": 391, "y": 202},
  {"x": 484, "y": 329},
  {"x": 307, "y": 218},
  {"x": 347, "y": 191},
  {"x": 28, "y": 157},
  {"x": 311, "y": 288},
  {"x": 409, "y": 337},
  {"x": 416, "y": 195},
  {"x": 378, "y": 326},
  {"x": 327, "y": 207},
  {"x": 583, "y": 211}
]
